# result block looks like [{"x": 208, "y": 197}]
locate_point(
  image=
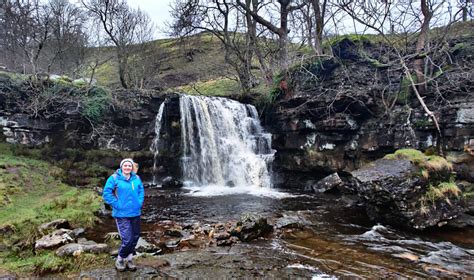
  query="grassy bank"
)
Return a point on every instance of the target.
[{"x": 32, "y": 193}]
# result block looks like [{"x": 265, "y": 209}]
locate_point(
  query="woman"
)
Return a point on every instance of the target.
[{"x": 124, "y": 192}]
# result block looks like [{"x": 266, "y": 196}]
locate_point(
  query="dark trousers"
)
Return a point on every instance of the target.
[{"x": 129, "y": 230}]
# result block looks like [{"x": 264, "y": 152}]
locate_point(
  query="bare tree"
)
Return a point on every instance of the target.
[
  {"x": 415, "y": 63},
  {"x": 224, "y": 20},
  {"x": 68, "y": 40},
  {"x": 124, "y": 26},
  {"x": 29, "y": 26},
  {"x": 281, "y": 31}
]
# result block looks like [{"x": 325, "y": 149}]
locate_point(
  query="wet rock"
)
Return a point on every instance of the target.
[
  {"x": 329, "y": 183},
  {"x": 297, "y": 234},
  {"x": 172, "y": 243},
  {"x": 462, "y": 221},
  {"x": 56, "y": 224},
  {"x": 463, "y": 164},
  {"x": 250, "y": 228},
  {"x": 144, "y": 273},
  {"x": 55, "y": 239},
  {"x": 75, "y": 249},
  {"x": 170, "y": 182},
  {"x": 144, "y": 246},
  {"x": 292, "y": 221},
  {"x": 441, "y": 272},
  {"x": 206, "y": 229},
  {"x": 393, "y": 190},
  {"x": 227, "y": 241},
  {"x": 408, "y": 256},
  {"x": 221, "y": 235},
  {"x": 174, "y": 232}
]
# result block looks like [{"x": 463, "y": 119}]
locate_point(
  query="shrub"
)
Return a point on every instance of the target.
[{"x": 96, "y": 102}]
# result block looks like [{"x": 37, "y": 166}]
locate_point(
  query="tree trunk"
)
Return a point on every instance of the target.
[
  {"x": 123, "y": 61},
  {"x": 420, "y": 47},
  {"x": 283, "y": 37},
  {"x": 319, "y": 15},
  {"x": 464, "y": 10},
  {"x": 267, "y": 73}
]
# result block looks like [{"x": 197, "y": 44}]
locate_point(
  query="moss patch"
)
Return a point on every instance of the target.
[{"x": 430, "y": 165}]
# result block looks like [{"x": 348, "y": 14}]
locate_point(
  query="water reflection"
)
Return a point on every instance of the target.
[{"x": 341, "y": 240}]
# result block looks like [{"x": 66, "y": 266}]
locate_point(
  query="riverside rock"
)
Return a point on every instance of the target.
[
  {"x": 56, "y": 224},
  {"x": 144, "y": 246},
  {"x": 393, "y": 192},
  {"x": 55, "y": 239},
  {"x": 251, "y": 228},
  {"x": 74, "y": 249},
  {"x": 327, "y": 184}
]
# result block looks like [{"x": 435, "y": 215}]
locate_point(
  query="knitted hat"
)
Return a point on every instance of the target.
[{"x": 126, "y": 160}]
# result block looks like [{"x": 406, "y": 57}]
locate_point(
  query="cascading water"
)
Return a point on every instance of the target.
[
  {"x": 156, "y": 141},
  {"x": 224, "y": 146}
]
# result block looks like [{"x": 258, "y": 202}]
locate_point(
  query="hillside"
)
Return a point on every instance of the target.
[{"x": 179, "y": 62}]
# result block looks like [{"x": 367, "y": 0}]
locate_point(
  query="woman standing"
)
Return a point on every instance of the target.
[{"x": 124, "y": 192}]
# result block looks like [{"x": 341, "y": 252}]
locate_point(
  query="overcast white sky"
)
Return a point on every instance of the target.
[{"x": 158, "y": 10}]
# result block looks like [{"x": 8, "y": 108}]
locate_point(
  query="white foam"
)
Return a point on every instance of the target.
[{"x": 219, "y": 190}]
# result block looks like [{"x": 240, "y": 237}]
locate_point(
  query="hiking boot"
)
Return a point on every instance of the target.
[
  {"x": 120, "y": 265},
  {"x": 131, "y": 266}
]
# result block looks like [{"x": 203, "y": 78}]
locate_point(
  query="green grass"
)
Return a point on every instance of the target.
[
  {"x": 47, "y": 263},
  {"x": 443, "y": 190},
  {"x": 32, "y": 193},
  {"x": 218, "y": 87}
]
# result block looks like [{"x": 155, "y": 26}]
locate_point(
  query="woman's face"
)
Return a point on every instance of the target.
[{"x": 127, "y": 168}]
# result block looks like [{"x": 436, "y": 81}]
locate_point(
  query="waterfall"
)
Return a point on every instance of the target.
[
  {"x": 223, "y": 144},
  {"x": 155, "y": 145}
]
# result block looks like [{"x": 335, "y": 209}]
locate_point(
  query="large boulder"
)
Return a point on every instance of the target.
[
  {"x": 329, "y": 183},
  {"x": 395, "y": 192}
]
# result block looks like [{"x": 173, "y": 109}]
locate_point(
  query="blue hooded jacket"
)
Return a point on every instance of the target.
[{"x": 129, "y": 194}]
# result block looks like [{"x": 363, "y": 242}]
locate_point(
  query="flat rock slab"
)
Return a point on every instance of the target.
[
  {"x": 74, "y": 249},
  {"x": 383, "y": 169},
  {"x": 55, "y": 239}
]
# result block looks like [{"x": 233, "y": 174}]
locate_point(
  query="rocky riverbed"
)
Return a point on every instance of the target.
[{"x": 314, "y": 236}]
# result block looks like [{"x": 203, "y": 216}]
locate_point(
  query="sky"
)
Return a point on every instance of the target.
[{"x": 158, "y": 10}]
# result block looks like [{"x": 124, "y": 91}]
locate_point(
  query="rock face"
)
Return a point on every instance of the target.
[
  {"x": 128, "y": 124},
  {"x": 393, "y": 191},
  {"x": 335, "y": 117}
]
